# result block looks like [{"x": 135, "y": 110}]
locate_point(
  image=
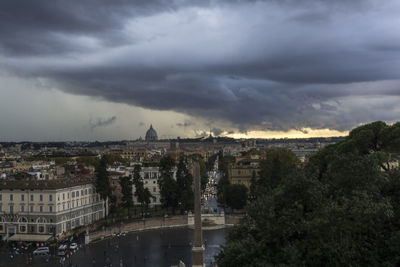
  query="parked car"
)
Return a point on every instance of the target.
[
  {"x": 41, "y": 251},
  {"x": 73, "y": 246}
]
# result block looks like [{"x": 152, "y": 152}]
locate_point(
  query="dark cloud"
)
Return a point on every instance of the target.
[
  {"x": 216, "y": 131},
  {"x": 276, "y": 65},
  {"x": 102, "y": 122},
  {"x": 185, "y": 124}
]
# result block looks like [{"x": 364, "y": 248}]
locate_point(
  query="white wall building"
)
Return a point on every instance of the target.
[
  {"x": 39, "y": 210},
  {"x": 150, "y": 177}
]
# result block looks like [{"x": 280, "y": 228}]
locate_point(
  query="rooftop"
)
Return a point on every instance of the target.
[{"x": 31, "y": 184}]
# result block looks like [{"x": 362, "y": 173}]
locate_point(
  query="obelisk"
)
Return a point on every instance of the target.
[{"x": 198, "y": 249}]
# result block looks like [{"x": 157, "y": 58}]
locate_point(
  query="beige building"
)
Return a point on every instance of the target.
[
  {"x": 242, "y": 175},
  {"x": 39, "y": 210},
  {"x": 150, "y": 177}
]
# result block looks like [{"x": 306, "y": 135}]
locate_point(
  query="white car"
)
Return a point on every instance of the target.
[
  {"x": 41, "y": 251},
  {"x": 73, "y": 246}
]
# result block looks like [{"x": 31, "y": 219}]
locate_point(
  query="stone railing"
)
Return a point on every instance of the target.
[{"x": 149, "y": 223}]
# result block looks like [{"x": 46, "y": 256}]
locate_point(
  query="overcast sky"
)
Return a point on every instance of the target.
[{"x": 106, "y": 70}]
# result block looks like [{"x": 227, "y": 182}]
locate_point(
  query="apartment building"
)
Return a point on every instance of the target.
[
  {"x": 150, "y": 176},
  {"x": 39, "y": 210}
]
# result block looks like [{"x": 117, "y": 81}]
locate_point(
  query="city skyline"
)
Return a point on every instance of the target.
[{"x": 245, "y": 69}]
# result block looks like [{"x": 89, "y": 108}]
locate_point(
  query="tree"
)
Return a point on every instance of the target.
[
  {"x": 221, "y": 189},
  {"x": 340, "y": 209},
  {"x": 103, "y": 186},
  {"x": 224, "y": 162},
  {"x": 278, "y": 163},
  {"x": 184, "y": 181},
  {"x": 236, "y": 196},
  {"x": 142, "y": 194},
  {"x": 167, "y": 184},
  {"x": 127, "y": 196},
  {"x": 203, "y": 174},
  {"x": 203, "y": 169},
  {"x": 253, "y": 186}
]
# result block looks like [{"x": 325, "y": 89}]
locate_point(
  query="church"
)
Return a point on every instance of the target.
[{"x": 151, "y": 134}]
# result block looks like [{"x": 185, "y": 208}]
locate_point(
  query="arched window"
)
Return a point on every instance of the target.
[
  {"x": 41, "y": 220},
  {"x": 23, "y": 220}
]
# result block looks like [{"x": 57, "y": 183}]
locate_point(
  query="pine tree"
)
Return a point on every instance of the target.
[
  {"x": 253, "y": 186},
  {"x": 167, "y": 184},
  {"x": 184, "y": 182},
  {"x": 142, "y": 194},
  {"x": 103, "y": 186},
  {"x": 126, "y": 189}
]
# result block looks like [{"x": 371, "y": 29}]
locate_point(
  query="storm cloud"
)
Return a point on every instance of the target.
[
  {"x": 274, "y": 65},
  {"x": 102, "y": 122}
]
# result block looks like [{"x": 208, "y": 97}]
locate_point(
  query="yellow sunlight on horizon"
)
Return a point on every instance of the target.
[{"x": 305, "y": 133}]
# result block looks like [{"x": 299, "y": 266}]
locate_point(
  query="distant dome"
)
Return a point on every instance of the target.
[{"x": 151, "y": 134}]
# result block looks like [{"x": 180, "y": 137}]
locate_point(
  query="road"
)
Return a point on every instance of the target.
[
  {"x": 148, "y": 248},
  {"x": 210, "y": 193}
]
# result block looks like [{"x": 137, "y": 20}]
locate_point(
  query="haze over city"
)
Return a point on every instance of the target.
[{"x": 106, "y": 70}]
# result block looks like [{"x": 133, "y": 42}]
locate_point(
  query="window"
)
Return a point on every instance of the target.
[
  {"x": 85, "y": 191},
  {"x": 22, "y": 208},
  {"x": 77, "y": 193},
  {"x": 50, "y": 229},
  {"x": 82, "y": 192},
  {"x": 154, "y": 182},
  {"x": 31, "y": 208},
  {"x": 154, "y": 189},
  {"x": 31, "y": 197},
  {"x": 73, "y": 194},
  {"x": 0, "y": 197},
  {"x": 1, "y": 227},
  {"x": 50, "y": 208},
  {"x": 11, "y": 197},
  {"x": 40, "y": 198},
  {"x": 1, "y": 208},
  {"x": 63, "y": 206},
  {"x": 11, "y": 209},
  {"x": 22, "y": 228},
  {"x": 50, "y": 197},
  {"x": 41, "y": 208},
  {"x": 22, "y": 197},
  {"x": 68, "y": 195},
  {"x": 58, "y": 197},
  {"x": 41, "y": 229},
  {"x": 63, "y": 196}
]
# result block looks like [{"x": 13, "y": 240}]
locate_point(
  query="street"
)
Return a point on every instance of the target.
[{"x": 210, "y": 193}]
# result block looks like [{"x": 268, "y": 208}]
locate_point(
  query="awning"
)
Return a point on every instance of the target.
[{"x": 31, "y": 238}]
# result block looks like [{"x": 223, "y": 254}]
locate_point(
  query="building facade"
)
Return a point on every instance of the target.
[
  {"x": 150, "y": 176},
  {"x": 38, "y": 211}
]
